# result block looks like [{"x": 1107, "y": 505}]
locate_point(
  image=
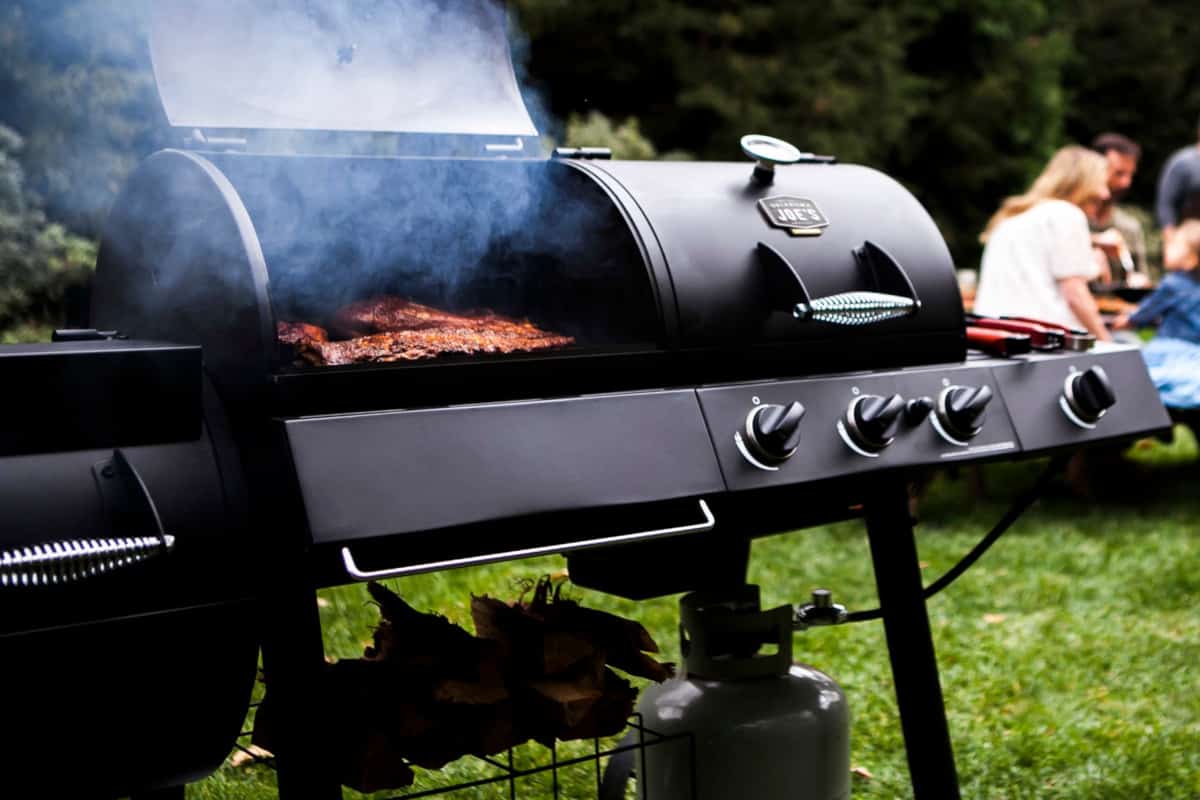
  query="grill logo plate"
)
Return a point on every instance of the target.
[{"x": 798, "y": 216}]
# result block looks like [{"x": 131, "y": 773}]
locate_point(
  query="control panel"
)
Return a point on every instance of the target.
[
  {"x": 796, "y": 431},
  {"x": 781, "y": 432},
  {"x": 1079, "y": 398}
]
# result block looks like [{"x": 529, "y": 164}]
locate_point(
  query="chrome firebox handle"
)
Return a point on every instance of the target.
[
  {"x": 355, "y": 572},
  {"x": 73, "y": 560},
  {"x": 893, "y": 297},
  {"x": 856, "y": 308}
]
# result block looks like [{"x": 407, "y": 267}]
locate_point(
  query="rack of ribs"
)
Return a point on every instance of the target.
[{"x": 395, "y": 329}]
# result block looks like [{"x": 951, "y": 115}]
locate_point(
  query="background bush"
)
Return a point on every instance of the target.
[
  {"x": 39, "y": 260},
  {"x": 962, "y": 100}
]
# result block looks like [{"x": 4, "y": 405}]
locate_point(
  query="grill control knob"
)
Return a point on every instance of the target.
[
  {"x": 872, "y": 420},
  {"x": 1089, "y": 394},
  {"x": 961, "y": 410},
  {"x": 773, "y": 432}
]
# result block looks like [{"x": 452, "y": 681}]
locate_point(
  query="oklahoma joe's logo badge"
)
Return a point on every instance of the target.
[{"x": 799, "y": 216}]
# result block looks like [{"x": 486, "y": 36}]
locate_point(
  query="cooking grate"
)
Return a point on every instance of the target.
[{"x": 632, "y": 746}]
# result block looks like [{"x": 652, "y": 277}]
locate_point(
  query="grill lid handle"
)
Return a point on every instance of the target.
[{"x": 788, "y": 292}]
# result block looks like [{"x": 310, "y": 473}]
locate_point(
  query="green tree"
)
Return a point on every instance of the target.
[
  {"x": 1135, "y": 69},
  {"x": 993, "y": 109},
  {"x": 76, "y": 84},
  {"x": 963, "y": 100},
  {"x": 596, "y": 130},
  {"x": 960, "y": 99},
  {"x": 39, "y": 261},
  {"x": 700, "y": 75}
]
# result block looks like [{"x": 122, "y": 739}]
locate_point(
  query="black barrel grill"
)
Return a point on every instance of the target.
[{"x": 753, "y": 348}]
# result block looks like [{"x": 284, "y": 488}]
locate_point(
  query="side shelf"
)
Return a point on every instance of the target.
[{"x": 369, "y": 475}]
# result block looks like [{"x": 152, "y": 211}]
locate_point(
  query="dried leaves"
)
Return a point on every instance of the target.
[
  {"x": 550, "y": 634},
  {"x": 427, "y": 692}
]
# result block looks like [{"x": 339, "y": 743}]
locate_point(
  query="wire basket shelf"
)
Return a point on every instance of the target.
[{"x": 611, "y": 766}]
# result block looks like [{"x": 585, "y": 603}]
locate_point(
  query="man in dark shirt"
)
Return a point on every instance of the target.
[
  {"x": 1178, "y": 193},
  {"x": 1116, "y": 232}
]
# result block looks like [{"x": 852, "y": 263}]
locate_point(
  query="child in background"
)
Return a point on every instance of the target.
[{"x": 1173, "y": 355}]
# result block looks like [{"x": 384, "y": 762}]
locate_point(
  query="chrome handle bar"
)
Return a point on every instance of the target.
[{"x": 355, "y": 572}]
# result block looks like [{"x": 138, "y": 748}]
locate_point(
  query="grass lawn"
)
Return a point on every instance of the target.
[{"x": 1067, "y": 653}]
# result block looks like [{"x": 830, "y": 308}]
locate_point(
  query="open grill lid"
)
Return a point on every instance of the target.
[{"x": 385, "y": 66}]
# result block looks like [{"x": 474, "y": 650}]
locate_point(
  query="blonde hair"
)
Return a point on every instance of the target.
[{"x": 1074, "y": 174}]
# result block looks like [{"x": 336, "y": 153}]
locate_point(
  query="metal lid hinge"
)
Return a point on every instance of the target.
[
  {"x": 200, "y": 141},
  {"x": 584, "y": 153}
]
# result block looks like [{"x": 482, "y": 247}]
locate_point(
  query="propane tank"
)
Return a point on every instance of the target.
[{"x": 760, "y": 725}]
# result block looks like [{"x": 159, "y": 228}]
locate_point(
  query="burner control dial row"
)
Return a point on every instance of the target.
[
  {"x": 772, "y": 433},
  {"x": 1087, "y": 396}
]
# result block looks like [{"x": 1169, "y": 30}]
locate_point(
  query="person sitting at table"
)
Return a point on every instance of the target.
[
  {"x": 1111, "y": 223},
  {"x": 1037, "y": 257},
  {"x": 1173, "y": 355}
]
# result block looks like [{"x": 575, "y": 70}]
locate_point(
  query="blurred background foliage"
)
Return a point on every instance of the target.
[
  {"x": 39, "y": 260},
  {"x": 962, "y": 100}
]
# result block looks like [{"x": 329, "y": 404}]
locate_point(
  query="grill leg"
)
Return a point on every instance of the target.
[
  {"x": 293, "y": 658},
  {"x": 910, "y": 644}
]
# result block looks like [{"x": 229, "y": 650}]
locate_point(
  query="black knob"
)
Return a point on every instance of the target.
[
  {"x": 773, "y": 431},
  {"x": 961, "y": 410},
  {"x": 917, "y": 409},
  {"x": 873, "y": 420},
  {"x": 1090, "y": 394}
]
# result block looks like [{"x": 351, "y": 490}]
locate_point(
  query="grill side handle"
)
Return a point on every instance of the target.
[
  {"x": 359, "y": 574},
  {"x": 788, "y": 292},
  {"x": 67, "y": 561},
  {"x": 74, "y": 560}
]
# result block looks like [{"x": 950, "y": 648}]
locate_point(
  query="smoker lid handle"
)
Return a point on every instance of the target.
[
  {"x": 69, "y": 561},
  {"x": 359, "y": 574},
  {"x": 73, "y": 560}
]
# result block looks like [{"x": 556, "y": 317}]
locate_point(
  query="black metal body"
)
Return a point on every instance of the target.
[
  {"x": 696, "y": 294},
  {"x": 91, "y": 395},
  {"x": 662, "y": 287},
  {"x": 692, "y": 303},
  {"x": 669, "y": 276},
  {"x": 690, "y": 310},
  {"x": 117, "y": 673}
]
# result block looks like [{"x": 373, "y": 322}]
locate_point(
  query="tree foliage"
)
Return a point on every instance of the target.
[
  {"x": 76, "y": 84},
  {"x": 624, "y": 139},
  {"x": 699, "y": 75},
  {"x": 962, "y": 100},
  {"x": 991, "y": 113},
  {"x": 39, "y": 261},
  {"x": 1135, "y": 68}
]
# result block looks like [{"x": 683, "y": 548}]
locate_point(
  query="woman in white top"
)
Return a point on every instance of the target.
[{"x": 1038, "y": 256}]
